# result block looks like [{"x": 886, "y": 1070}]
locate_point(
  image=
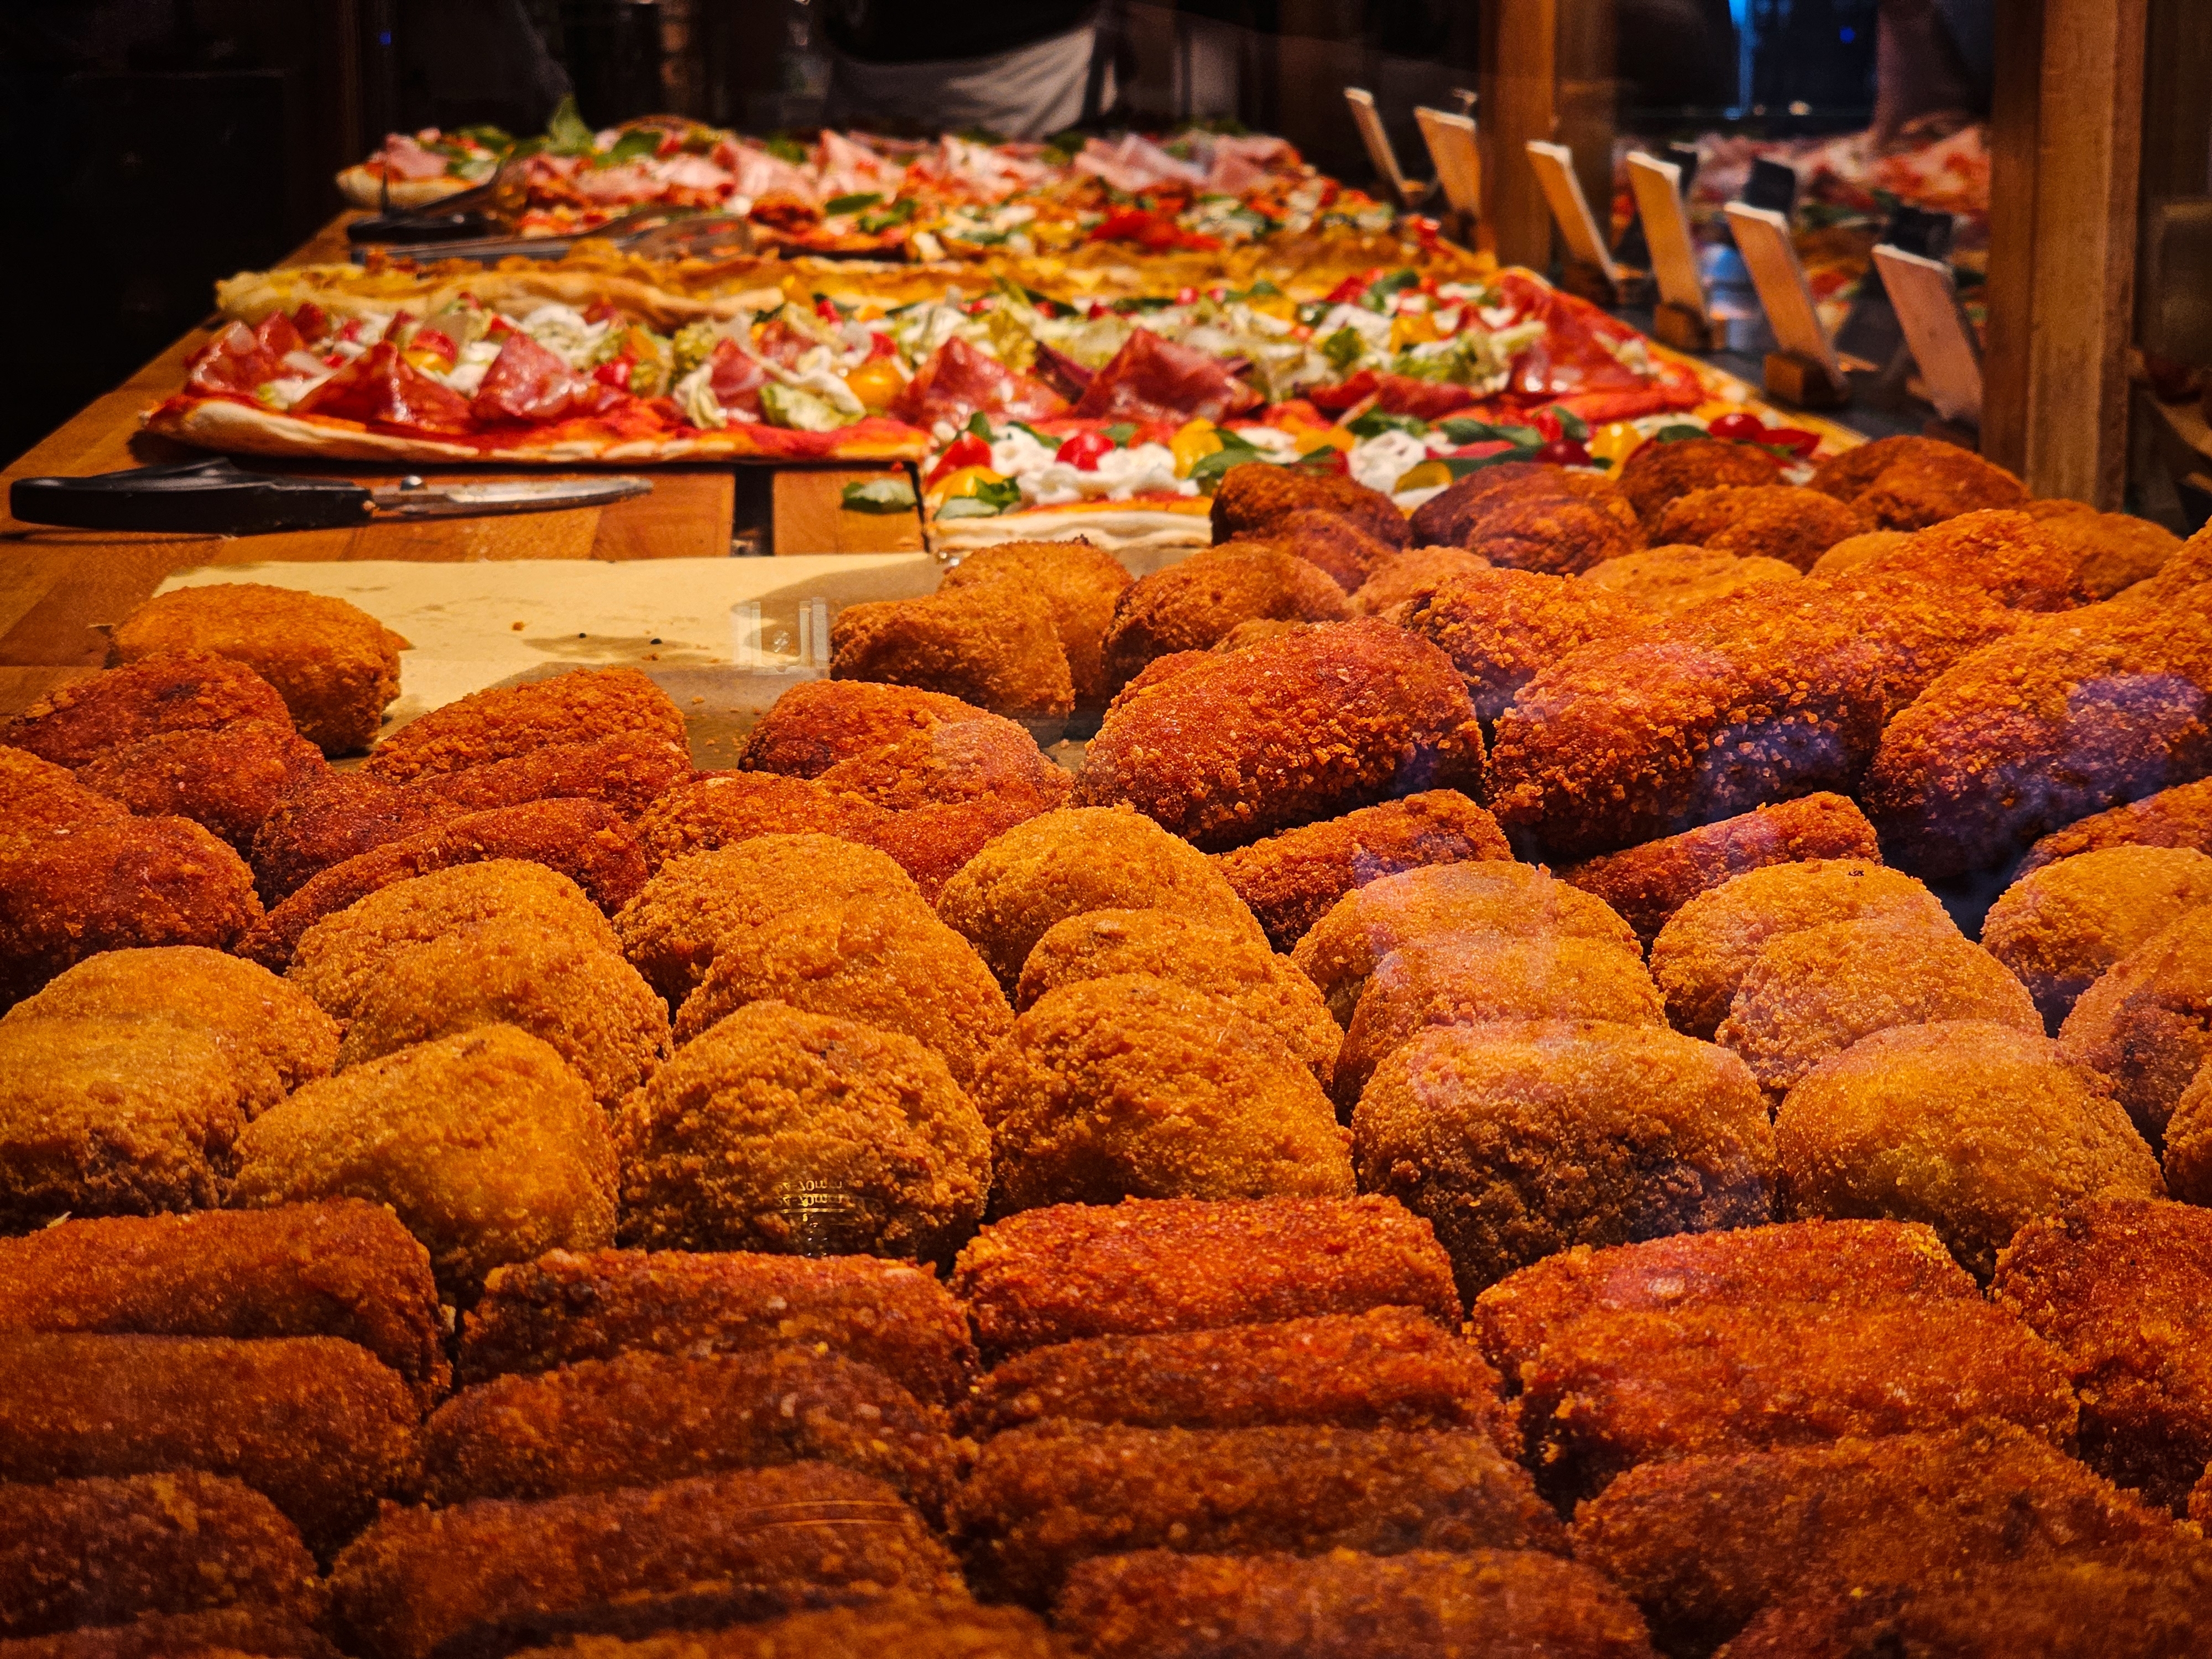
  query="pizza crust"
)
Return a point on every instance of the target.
[
  {"x": 348, "y": 291},
  {"x": 364, "y": 189},
  {"x": 1115, "y": 529}
]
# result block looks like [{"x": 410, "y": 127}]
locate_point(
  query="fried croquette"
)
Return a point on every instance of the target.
[
  {"x": 1919, "y": 628},
  {"x": 227, "y": 780},
  {"x": 1488, "y": 896},
  {"x": 1666, "y": 581},
  {"x": 932, "y": 844},
  {"x": 223, "y": 1633},
  {"x": 2112, "y": 551},
  {"x": 1909, "y": 483},
  {"x": 340, "y": 817},
  {"x": 562, "y": 986},
  {"x": 1517, "y": 1141},
  {"x": 817, "y": 724},
  {"x": 1659, "y": 474},
  {"x": 2062, "y": 928},
  {"x": 498, "y": 1575},
  {"x": 46, "y": 800},
  {"x": 1531, "y": 516},
  {"x": 2179, "y": 817},
  {"x": 115, "y": 885},
  {"x": 995, "y": 644},
  {"x": 1769, "y": 521},
  {"x": 1975, "y": 1129},
  {"x": 1845, "y": 557},
  {"x": 643, "y": 1419},
  {"x": 1406, "y": 575},
  {"x": 75, "y": 724},
  {"x": 2006, "y": 555},
  {"x": 626, "y": 770},
  {"x": 985, "y": 762},
  {"x": 1700, "y": 957},
  {"x": 1043, "y": 1497},
  {"x": 1500, "y": 627},
  {"x": 1702, "y": 1544},
  {"x": 1297, "y": 729},
  {"x": 335, "y": 666},
  {"x": 485, "y": 1145},
  {"x": 1189, "y": 605},
  {"x": 1810, "y": 994},
  {"x": 317, "y": 1425},
  {"x": 784, "y": 1130},
  {"x": 567, "y": 1307},
  {"x": 342, "y": 1269},
  {"x": 2187, "y": 569},
  {"x": 1348, "y": 552},
  {"x": 891, "y": 966},
  {"x": 340, "y": 955},
  {"x": 2147, "y": 1025},
  {"x": 2188, "y": 1148},
  {"x": 1079, "y": 582},
  {"x": 908, "y": 1626},
  {"x": 1423, "y": 1604},
  {"x": 508, "y": 720},
  {"x": 1140, "y": 1267},
  {"x": 1389, "y": 1368},
  {"x": 1256, "y": 497},
  {"x": 1131, "y": 1086}
]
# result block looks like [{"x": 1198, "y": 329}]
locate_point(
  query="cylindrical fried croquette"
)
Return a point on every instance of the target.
[
  {"x": 1500, "y": 627},
  {"x": 1043, "y": 1497},
  {"x": 2186, "y": 1156},
  {"x": 1917, "y": 628},
  {"x": 1347, "y": 550},
  {"x": 820, "y": 725},
  {"x": 2061, "y": 928},
  {"x": 1663, "y": 581},
  {"x": 1388, "y": 1368},
  {"x": 1532, "y": 516},
  {"x": 719, "y": 1549},
  {"x": 907, "y": 1625},
  {"x": 1974, "y": 1128},
  {"x": 108, "y": 1552},
  {"x": 509, "y": 720},
  {"x": 994, "y": 645},
  {"x": 317, "y": 1425},
  {"x": 626, "y": 770},
  {"x": 2006, "y": 555},
  {"x": 1407, "y": 576},
  {"x": 2146, "y": 1026},
  {"x": 643, "y": 1419},
  {"x": 1142, "y": 1265},
  {"x": 569, "y": 1306},
  {"x": 1080, "y": 583},
  {"x": 1131, "y": 1086},
  {"x": 342, "y": 1269},
  {"x": 43, "y": 799},
  {"x": 725, "y": 809},
  {"x": 227, "y": 781},
  {"x": 485, "y": 1143},
  {"x": 1504, "y": 1604},
  {"x": 1774, "y": 521},
  {"x": 78, "y": 722},
  {"x": 1659, "y": 474},
  {"x": 1517, "y": 1141},
  {"x": 1256, "y": 497},
  {"x": 785, "y": 1131},
  {"x": 1907, "y": 482},
  {"x": 338, "y": 818},
  {"x": 2179, "y": 817},
  {"x": 2112, "y": 551},
  {"x": 1188, "y": 606}
]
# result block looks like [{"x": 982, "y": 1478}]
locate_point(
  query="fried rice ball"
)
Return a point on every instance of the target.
[
  {"x": 2179, "y": 817},
  {"x": 1252, "y": 979},
  {"x": 1909, "y": 483},
  {"x": 1404, "y": 575},
  {"x": 995, "y": 644},
  {"x": 721, "y": 809},
  {"x": 818, "y": 724},
  {"x": 2112, "y": 551},
  {"x": 513, "y": 719},
  {"x": 1079, "y": 582},
  {"x": 970, "y": 765},
  {"x": 43, "y": 799},
  {"x": 1256, "y": 498},
  {"x": 1919, "y": 628},
  {"x": 2146, "y": 1023},
  {"x": 2006, "y": 554},
  {"x": 486, "y": 1145},
  {"x": 1338, "y": 544},
  {"x": 1660, "y": 474},
  {"x": 2188, "y": 1143},
  {"x": 1700, "y": 957},
  {"x": 1190, "y": 604},
  {"x": 75, "y": 724},
  {"x": 1501, "y": 627},
  {"x": 802, "y": 1134},
  {"x": 338, "y": 817},
  {"x": 2190, "y": 567},
  {"x": 1773, "y": 521},
  {"x": 227, "y": 781},
  {"x": 1131, "y": 1086},
  {"x": 2061, "y": 928},
  {"x": 1531, "y": 516},
  {"x": 1812, "y": 994},
  {"x": 335, "y": 666},
  {"x": 1974, "y": 1128},
  {"x": 627, "y": 770},
  {"x": 1848, "y": 555},
  {"x": 1665, "y": 581},
  {"x": 1063, "y": 864},
  {"x": 1519, "y": 1141}
]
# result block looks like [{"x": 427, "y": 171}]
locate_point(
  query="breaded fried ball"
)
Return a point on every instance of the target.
[
  {"x": 1664, "y": 580},
  {"x": 2188, "y": 1155},
  {"x": 2006, "y": 555},
  {"x": 1338, "y": 544},
  {"x": 1079, "y": 582},
  {"x": 1246, "y": 634},
  {"x": 1853, "y": 551},
  {"x": 486, "y": 1145},
  {"x": 1131, "y": 1086},
  {"x": 1252, "y": 979},
  {"x": 1500, "y": 627},
  {"x": 1519, "y": 1141},
  {"x": 1972, "y": 1128},
  {"x": 890, "y": 965},
  {"x": 76, "y": 723},
  {"x": 335, "y": 666},
  {"x": 819, "y": 723},
  {"x": 627, "y": 770},
  {"x": 339, "y": 816},
  {"x": 562, "y": 986},
  {"x": 1256, "y": 496},
  {"x": 1403, "y": 575},
  {"x": 2061, "y": 928},
  {"x": 227, "y": 781},
  {"x": 1529, "y": 515},
  {"x": 1918, "y": 627},
  {"x": 980, "y": 763},
  {"x": 2112, "y": 551},
  {"x": 2147, "y": 1025},
  {"x": 1190, "y": 604},
  {"x": 43, "y": 799},
  {"x": 1770, "y": 521},
  {"x": 801, "y": 1133},
  {"x": 1908, "y": 483},
  {"x": 513, "y": 719},
  {"x": 994, "y": 645},
  {"x": 1659, "y": 474},
  {"x": 1701, "y": 956},
  {"x": 2190, "y": 567},
  {"x": 1066, "y": 863},
  {"x": 2179, "y": 817},
  {"x": 721, "y": 809}
]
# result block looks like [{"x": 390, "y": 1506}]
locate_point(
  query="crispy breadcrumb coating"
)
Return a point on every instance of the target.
[
  {"x": 1660, "y": 474},
  {"x": 1769, "y": 521},
  {"x": 2062, "y": 928},
  {"x": 222, "y": 1633},
  {"x": 227, "y": 780},
  {"x": 2188, "y": 1142},
  {"x": 509, "y": 720},
  {"x": 341, "y": 817},
  {"x": 721, "y": 809},
  {"x": 1908, "y": 483},
  {"x": 1665, "y": 581},
  {"x": 2006, "y": 555},
  {"x": 1531, "y": 515},
  {"x": 1190, "y": 604},
  {"x": 1404, "y": 575},
  {"x": 1500, "y": 627},
  {"x": 1079, "y": 582},
  {"x": 46, "y": 799},
  {"x": 2112, "y": 551},
  {"x": 2190, "y": 565},
  {"x": 1920, "y": 629},
  {"x": 2147, "y": 1025},
  {"x": 995, "y": 644},
  {"x": 75, "y": 724},
  {"x": 819, "y": 723},
  {"x": 1257, "y": 496},
  {"x": 1341, "y": 546},
  {"x": 911, "y": 1626},
  {"x": 2179, "y": 817}
]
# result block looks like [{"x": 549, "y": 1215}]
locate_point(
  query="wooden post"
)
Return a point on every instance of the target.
[
  {"x": 1520, "y": 87},
  {"x": 1588, "y": 91},
  {"x": 2015, "y": 109}
]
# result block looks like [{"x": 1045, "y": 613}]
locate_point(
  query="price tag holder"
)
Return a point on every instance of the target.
[
  {"x": 1926, "y": 299},
  {"x": 1680, "y": 318},
  {"x": 1450, "y": 139},
  {"x": 1369, "y": 120},
  {"x": 1806, "y": 370},
  {"x": 1562, "y": 191}
]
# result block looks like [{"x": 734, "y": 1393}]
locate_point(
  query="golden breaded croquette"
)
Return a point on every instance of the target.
[
  {"x": 220, "y": 1634},
  {"x": 1910, "y": 482},
  {"x": 2006, "y": 555},
  {"x": 1511, "y": 1604},
  {"x": 1143, "y": 1267},
  {"x": 1389, "y": 1368},
  {"x": 932, "y": 844},
  {"x": 2144, "y": 1025},
  {"x": 1405, "y": 575},
  {"x": 1668, "y": 579},
  {"x": 1256, "y": 497},
  {"x": 1043, "y": 1497},
  {"x": 626, "y": 770},
  {"x": 1974, "y": 1128},
  {"x": 1517, "y": 1141},
  {"x": 892, "y": 966},
  {"x": 1079, "y": 582},
  {"x": 719, "y": 1549},
  {"x": 317, "y": 1425},
  {"x": 1659, "y": 474},
  {"x": 2112, "y": 551},
  {"x": 1131, "y": 1086},
  {"x": 562, "y": 986},
  {"x": 1066, "y": 863},
  {"x": 338, "y": 818},
  {"x": 1646, "y": 885},
  {"x": 779, "y": 1130},
  {"x": 1349, "y": 552},
  {"x": 227, "y": 781},
  {"x": 509, "y": 720},
  {"x": 1480, "y": 896},
  {"x": 995, "y": 644},
  {"x": 1768, "y": 521},
  {"x": 341, "y": 954},
  {"x": 2062, "y": 928},
  {"x": 818, "y": 724},
  {"x": 1810, "y": 994},
  {"x": 2188, "y": 568},
  {"x": 569, "y": 1306},
  {"x": 1700, "y": 957},
  {"x": 2179, "y": 817},
  {"x": 1250, "y": 978},
  {"x": 1919, "y": 629},
  {"x": 44, "y": 800},
  {"x": 341, "y": 1269},
  {"x": 107, "y": 1551},
  {"x": 1531, "y": 515},
  {"x": 1500, "y": 627},
  {"x": 1701, "y": 1544},
  {"x": 1845, "y": 557},
  {"x": 970, "y": 764},
  {"x": 1293, "y": 731},
  {"x": 643, "y": 1419},
  {"x": 335, "y": 666},
  {"x": 2187, "y": 1152},
  {"x": 1190, "y": 604},
  {"x": 273, "y": 1034},
  {"x": 77, "y": 722},
  {"x": 1292, "y": 880},
  {"x": 485, "y": 1145},
  {"x": 909, "y": 1625}
]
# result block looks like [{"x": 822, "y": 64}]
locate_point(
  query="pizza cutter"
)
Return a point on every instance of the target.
[{"x": 214, "y": 497}]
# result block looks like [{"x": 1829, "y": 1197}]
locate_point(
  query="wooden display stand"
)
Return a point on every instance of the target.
[
  {"x": 1804, "y": 381},
  {"x": 1682, "y": 328}
]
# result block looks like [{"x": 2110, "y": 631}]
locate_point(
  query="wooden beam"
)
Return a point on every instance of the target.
[
  {"x": 1520, "y": 90},
  {"x": 1588, "y": 90}
]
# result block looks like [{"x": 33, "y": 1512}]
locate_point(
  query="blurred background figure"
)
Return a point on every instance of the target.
[{"x": 1021, "y": 68}]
